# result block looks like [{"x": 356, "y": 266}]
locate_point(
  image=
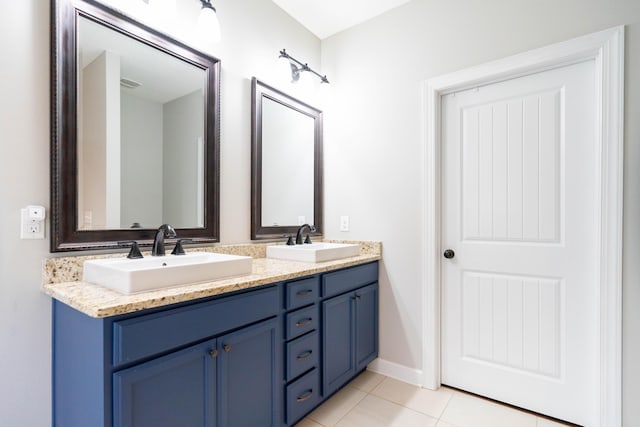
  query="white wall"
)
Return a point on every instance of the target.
[
  {"x": 376, "y": 70},
  {"x": 99, "y": 145},
  {"x": 183, "y": 127},
  {"x": 141, "y": 161},
  {"x": 253, "y": 32}
]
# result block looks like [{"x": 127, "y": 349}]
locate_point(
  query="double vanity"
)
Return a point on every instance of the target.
[
  {"x": 244, "y": 335},
  {"x": 262, "y": 348}
]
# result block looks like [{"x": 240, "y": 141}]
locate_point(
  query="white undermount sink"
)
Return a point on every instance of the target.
[
  {"x": 129, "y": 276},
  {"x": 314, "y": 252}
]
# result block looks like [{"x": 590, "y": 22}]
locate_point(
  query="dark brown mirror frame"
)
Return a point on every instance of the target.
[
  {"x": 65, "y": 235},
  {"x": 260, "y": 90}
]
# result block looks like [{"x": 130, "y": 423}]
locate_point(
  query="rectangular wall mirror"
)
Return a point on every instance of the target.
[
  {"x": 286, "y": 181},
  {"x": 135, "y": 131}
]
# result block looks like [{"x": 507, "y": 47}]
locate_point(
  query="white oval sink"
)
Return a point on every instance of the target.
[
  {"x": 129, "y": 276},
  {"x": 314, "y": 252}
]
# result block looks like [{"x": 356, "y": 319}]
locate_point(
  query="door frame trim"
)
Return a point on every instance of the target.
[{"x": 607, "y": 49}]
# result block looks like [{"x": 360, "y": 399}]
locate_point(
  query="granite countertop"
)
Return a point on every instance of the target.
[{"x": 62, "y": 279}]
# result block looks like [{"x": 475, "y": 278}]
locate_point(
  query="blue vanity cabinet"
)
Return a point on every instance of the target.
[
  {"x": 210, "y": 384},
  {"x": 349, "y": 324},
  {"x": 177, "y": 389},
  {"x": 263, "y": 357},
  {"x": 302, "y": 348},
  {"x": 209, "y": 363}
]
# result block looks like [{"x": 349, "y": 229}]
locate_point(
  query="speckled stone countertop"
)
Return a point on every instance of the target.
[{"x": 62, "y": 279}]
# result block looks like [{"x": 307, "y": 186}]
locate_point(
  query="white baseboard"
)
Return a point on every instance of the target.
[{"x": 396, "y": 371}]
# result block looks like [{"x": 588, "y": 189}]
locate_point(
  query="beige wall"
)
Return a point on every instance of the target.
[
  {"x": 253, "y": 32},
  {"x": 376, "y": 70}
]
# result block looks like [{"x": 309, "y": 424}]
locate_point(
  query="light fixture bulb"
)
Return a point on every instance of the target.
[{"x": 208, "y": 25}]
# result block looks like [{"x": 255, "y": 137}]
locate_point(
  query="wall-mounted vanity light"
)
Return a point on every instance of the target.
[
  {"x": 208, "y": 25},
  {"x": 297, "y": 68}
]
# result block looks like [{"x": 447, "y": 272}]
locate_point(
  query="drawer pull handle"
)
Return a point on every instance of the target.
[
  {"x": 227, "y": 348},
  {"x": 304, "y": 322},
  {"x": 214, "y": 353},
  {"x": 356, "y": 298},
  {"x": 304, "y": 293},
  {"x": 305, "y": 396},
  {"x": 304, "y": 355}
]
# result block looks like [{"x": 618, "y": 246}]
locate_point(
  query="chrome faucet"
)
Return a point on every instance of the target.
[
  {"x": 165, "y": 230},
  {"x": 311, "y": 228}
]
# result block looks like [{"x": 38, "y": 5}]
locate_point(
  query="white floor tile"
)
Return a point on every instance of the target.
[
  {"x": 367, "y": 381},
  {"x": 373, "y": 400},
  {"x": 419, "y": 399},
  {"x": 468, "y": 411},
  {"x": 337, "y": 406},
  {"x": 373, "y": 411},
  {"x": 306, "y": 422}
]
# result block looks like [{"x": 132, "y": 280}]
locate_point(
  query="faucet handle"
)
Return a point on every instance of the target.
[
  {"x": 307, "y": 240},
  {"x": 178, "y": 249},
  {"x": 134, "y": 253},
  {"x": 289, "y": 240}
]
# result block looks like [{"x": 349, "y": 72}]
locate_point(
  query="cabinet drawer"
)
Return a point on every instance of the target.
[
  {"x": 302, "y": 292},
  {"x": 302, "y": 321},
  {"x": 302, "y": 355},
  {"x": 302, "y": 396},
  {"x": 155, "y": 333},
  {"x": 351, "y": 278}
]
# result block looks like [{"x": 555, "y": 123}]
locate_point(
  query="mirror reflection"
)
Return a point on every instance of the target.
[
  {"x": 286, "y": 187},
  {"x": 287, "y": 165},
  {"x": 141, "y": 133},
  {"x": 135, "y": 138}
]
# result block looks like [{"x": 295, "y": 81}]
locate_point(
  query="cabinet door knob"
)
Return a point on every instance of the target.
[
  {"x": 449, "y": 253},
  {"x": 213, "y": 353},
  {"x": 227, "y": 348},
  {"x": 305, "y": 396}
]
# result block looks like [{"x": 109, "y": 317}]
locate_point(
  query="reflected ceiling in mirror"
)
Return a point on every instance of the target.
[
  {"x": 136, "y": 131},
  {"x": 286, "y": 163}
]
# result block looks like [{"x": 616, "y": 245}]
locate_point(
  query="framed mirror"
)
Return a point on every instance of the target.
[
  {"x": 286, "y": 163},
  {"x": 135, "y": 132}
]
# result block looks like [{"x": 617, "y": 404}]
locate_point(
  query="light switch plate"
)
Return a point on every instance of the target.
[{"x": 344, "y": 223}]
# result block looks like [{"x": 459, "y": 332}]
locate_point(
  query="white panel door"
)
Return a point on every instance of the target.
[{"x": 520, "y": 301}]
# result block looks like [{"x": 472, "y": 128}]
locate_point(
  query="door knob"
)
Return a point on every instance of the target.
[{"x": 448, "y": 254}]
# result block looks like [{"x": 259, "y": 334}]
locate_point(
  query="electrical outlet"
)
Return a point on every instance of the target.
[
  {"x": 344, "y": 223},
  {"x": 32, "y": 222}
]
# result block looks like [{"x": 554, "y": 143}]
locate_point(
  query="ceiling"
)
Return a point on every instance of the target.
[{"x": 325, "y": 18}]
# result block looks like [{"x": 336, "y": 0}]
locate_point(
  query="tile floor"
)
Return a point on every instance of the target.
[{"x": 373, "y": 400}]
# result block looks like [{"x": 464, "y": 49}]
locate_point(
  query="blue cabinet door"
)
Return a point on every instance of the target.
[
  {"x": 366, "y": 325},
  {"x": 249, "y": 373},
  {"x": 338, "y": 342},
  {"x": 174, "y": 390},
  {"x": 349, "y": 335}
]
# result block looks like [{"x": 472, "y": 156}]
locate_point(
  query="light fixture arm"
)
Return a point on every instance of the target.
[
  {"x": 295, "y": 70},
  {"x": 206, "y": 4}
]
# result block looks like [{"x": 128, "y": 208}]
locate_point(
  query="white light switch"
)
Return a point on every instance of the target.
[{"x": 344, "y": 223}]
